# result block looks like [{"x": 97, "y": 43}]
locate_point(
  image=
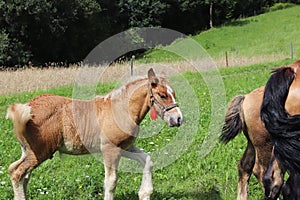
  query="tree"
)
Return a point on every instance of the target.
[
  {"x": 52, "y": 31},
  {"x": 186, "y": 16},
  {"x": 66, "y": 30},
  {"x": 211, "y": 14},
  {"x": 143, "y": 13}
]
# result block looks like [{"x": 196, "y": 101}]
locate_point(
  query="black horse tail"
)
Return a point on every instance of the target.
[
  {"x": 284, "y": 129},
  {"x": 290, "y": 189},
  {"x": 234, "y": 119}
]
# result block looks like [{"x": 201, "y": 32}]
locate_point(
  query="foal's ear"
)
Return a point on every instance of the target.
[{"x": 152, "y": 78}]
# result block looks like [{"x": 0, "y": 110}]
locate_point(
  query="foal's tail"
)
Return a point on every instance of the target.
[
  {"x": 20, "y": 114},
  {"x": 284, "y": 129},
  {"x": 234, "y": 119}
]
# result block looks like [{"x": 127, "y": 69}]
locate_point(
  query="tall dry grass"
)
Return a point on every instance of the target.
[{"x": 31, "y": 79}]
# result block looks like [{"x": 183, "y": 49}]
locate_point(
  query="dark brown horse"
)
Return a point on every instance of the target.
[
  {"x": 243, "y": 114},
  {"x": 280, "y": 112}
]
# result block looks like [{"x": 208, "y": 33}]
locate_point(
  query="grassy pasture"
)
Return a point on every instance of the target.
[
  {"x": 261, "y": 38},
  {"x": 189, "y": 177}
]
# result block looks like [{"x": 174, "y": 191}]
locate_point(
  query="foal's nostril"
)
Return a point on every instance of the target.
[{"x": 179, "y": 120}]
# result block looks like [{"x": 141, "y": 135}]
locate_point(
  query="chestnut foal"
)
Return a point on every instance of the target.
[{"x": 109, "y": 124}]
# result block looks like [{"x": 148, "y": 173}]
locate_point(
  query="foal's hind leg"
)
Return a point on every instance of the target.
[
  {"x": 245, "y": 168},
  {"x": 20, "y": 173},
  {"x": 146, "y": 188}
]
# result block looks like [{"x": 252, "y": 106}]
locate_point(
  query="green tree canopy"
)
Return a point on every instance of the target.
[{"x": 44, "y": 31}]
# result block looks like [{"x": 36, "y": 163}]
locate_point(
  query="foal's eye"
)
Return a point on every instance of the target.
[{"x": 162, "y": 96}]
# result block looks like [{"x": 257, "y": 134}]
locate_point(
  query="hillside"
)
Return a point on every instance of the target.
[{"x": 264, "y": 36}]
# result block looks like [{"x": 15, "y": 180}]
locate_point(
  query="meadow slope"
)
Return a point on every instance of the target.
[
  {"x": 190, "y": 177},
  {"x": 266, "y": 37}
]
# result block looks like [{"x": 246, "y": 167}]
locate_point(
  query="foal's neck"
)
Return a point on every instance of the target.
[
  {"x": 134, "y": 100},
  {"x": 139, "y": 100},
  {"x": 139, "y": 103}
]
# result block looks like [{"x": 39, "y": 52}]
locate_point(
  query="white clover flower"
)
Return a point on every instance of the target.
[{"x": 42, "y": 191}]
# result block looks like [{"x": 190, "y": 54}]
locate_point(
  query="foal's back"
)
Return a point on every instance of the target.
[
  {"x": 60, "y": 123},
  {"x": 72, "y": 126}
]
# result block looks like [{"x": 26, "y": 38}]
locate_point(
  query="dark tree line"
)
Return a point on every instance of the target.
[{"x": 41, "y": 31}]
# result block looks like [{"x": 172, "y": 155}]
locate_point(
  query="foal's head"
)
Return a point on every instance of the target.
[{"x": 162, "y": 100}]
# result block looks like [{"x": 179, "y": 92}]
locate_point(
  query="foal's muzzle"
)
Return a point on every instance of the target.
[
  {"x": 177, "y": 121},
  {"x": 174, "y": 118}
]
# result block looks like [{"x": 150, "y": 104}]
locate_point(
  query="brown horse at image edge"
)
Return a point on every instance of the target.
[
  {"x": 243, "y": 114},
  {"x": 280, "y": 112}
]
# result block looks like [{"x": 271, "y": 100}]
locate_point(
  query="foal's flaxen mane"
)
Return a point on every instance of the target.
[
  {"x": 138, "y": 82},
  {"x": 123, "y": 90}
]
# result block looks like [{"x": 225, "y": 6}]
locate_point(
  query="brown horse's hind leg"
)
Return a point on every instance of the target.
[
  {"x": 245, "y": 168},
  {"x": 262, "y": 161},
  {"x": 273, "y": 178},
  {"x": 20, "y": 173}
]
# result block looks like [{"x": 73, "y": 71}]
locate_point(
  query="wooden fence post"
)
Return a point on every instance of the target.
[
  {"x": 226, "y": 55},
  {"x": 131, "y": 65}
]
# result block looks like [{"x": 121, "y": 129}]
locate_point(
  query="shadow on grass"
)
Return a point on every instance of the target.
[
  {"x": 238, "y": 22},
  {"x": 212, "y": 194}
]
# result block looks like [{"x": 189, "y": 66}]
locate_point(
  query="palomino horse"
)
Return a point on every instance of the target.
[
  {"x": 243, "y": 114},
  {"x": 109, "y": 124},
  {"x": 280, "y": 112}
]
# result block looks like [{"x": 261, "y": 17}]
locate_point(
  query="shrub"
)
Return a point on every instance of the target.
[{"x": 280, "y": 6}]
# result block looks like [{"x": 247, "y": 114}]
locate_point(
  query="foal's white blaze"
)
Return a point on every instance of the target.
[{"x": 170, "y": 92}]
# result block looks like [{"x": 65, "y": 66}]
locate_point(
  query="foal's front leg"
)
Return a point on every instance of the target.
[
  {"x": 111, "y": 155},
  {"x": 146, "y": 188}
]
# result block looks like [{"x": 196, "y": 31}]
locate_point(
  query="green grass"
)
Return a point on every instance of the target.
[
  {"x": 269, "y": 34},
  {"x": 190, "y": 177}
]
